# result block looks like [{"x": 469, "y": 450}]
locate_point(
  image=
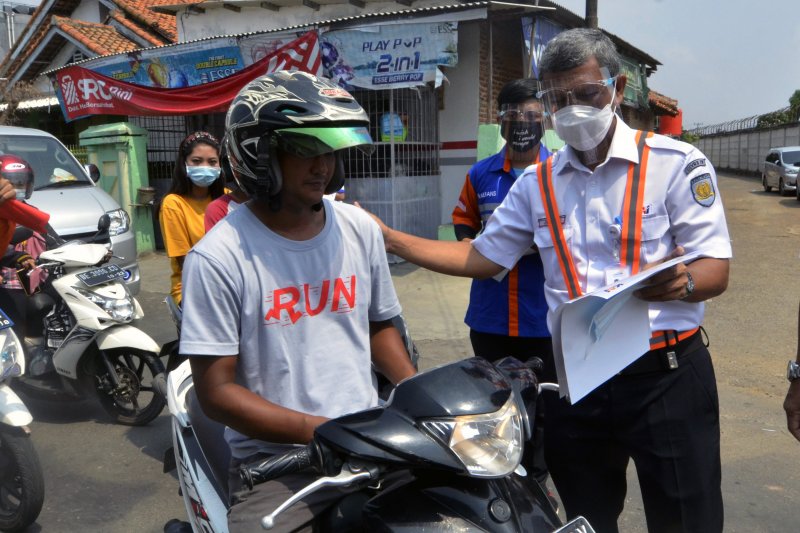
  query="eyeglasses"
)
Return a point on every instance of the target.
[{"x": 589, "y": 93}]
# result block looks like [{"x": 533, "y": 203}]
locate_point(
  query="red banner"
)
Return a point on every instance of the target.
[{"x": 82, "y": 92}]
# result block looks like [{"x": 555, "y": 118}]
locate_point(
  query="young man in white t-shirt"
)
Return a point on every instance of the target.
[{"x": 288, "y": 300}]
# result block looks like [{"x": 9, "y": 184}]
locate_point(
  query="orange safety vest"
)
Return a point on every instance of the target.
[{"x": 630, "y": 249}]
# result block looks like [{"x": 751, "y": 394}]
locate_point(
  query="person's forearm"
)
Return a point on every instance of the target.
[
  {"x": 456, "y": 258},
  {"x": 250, "y": 414},
  {"x": 710, "y": 278},
  {"x": 389, "y": 354}
]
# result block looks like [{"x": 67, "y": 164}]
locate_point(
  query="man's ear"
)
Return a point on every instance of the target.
[{"x": 619, "y": 91}]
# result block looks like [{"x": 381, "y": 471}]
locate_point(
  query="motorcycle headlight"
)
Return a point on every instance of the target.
[
  {"x": 9, "y": 368},
  {"x": 120, "y": 222},
  {"x": 120, "y": 309},
  {"x": 489, "y": 445}
]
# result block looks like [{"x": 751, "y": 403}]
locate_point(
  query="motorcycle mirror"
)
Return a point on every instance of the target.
[
  {"x": 21, "y": 233},
  {"x": 93, "y": 172},
  {"x": 104, "y": 223}
]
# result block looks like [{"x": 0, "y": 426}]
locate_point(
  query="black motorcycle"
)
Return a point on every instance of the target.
[{"x": 442, "y": 455}]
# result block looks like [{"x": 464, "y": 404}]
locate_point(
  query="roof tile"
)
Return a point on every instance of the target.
[
  {"x": 138, "y": 30},
  {"x": 164, "y": 24},
  {"x": 101, "y": 39}
]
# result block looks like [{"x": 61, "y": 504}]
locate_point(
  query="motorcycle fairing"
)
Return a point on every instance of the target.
[
  {"x": 458, "y": 503},
  {"x": 391, "y": 433}
]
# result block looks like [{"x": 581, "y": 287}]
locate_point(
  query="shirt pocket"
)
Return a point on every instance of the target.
[
  {"x": 544, "y": 239},
  {"x": 653, "y": 229}
]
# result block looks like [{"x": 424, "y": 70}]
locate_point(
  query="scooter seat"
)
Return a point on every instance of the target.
[{"x": 211, "y": 438}]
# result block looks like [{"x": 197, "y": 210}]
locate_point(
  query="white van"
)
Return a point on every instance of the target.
[{"x": 63, "y": 189}]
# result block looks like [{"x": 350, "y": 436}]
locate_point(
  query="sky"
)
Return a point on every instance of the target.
[{"x": 721, "y": 59}]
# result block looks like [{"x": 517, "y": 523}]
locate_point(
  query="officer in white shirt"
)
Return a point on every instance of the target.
[{"x": 603, "y": 207}]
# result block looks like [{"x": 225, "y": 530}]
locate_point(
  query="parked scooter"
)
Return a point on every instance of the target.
[
  {"x": 85, "y": 344},
  {"x": 445, "y": 448},
  {"x": 21, "y": 480}
]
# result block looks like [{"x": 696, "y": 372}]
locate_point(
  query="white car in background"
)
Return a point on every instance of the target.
[
  {"x": 780, "y": 170},
  {"x": 64, "y": 189}
]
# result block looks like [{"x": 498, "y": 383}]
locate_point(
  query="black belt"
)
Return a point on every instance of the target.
[{"x": 665, "y": 359}]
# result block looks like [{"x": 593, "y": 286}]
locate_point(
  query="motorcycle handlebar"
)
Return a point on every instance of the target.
[{"x": 277, "y": 466}]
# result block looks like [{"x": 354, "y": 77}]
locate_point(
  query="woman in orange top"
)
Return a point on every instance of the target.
[{"x": 195, "y": 182}]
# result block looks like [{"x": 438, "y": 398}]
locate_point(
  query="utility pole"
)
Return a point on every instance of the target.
[{"x": 591, "y": 14}]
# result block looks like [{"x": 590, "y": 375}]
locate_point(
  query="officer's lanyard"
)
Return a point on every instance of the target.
[{"x": 631, "y": 236}]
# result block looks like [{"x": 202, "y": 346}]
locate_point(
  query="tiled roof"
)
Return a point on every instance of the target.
[
  {"x": 135, "y": 16},
  {"x": 663, "y": 105},
  {"x": 101, "y": 39},
  {"x": 161, "y": 23},
  {"x": 119, "y": 17}
]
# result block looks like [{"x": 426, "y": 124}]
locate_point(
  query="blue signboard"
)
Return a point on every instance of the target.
[
  {"x": 391, "y": 56},
  {"x": 187, "y": 65}
]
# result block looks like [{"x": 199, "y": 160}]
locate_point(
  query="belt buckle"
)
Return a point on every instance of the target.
[{"x": 672, "y": 360}]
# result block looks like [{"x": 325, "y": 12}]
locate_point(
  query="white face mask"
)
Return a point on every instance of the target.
[{"x": 583, "y": 127}]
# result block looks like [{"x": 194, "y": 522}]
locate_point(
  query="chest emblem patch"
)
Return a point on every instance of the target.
[{"x": 703, "y": 190}]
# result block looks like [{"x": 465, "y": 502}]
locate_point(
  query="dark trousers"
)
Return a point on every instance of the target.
[
  {"x": 667, "y": 421},
  {"x": 249, "y": 506},
  {"x": 494, "y": 347}
]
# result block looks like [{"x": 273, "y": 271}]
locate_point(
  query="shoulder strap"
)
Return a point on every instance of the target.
[
  {"x": 632, "y": 204},
  {"x": 544, "y": 172}
]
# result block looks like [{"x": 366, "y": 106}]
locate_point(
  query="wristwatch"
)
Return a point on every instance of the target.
[
  {"x": 689, "y": 285},
  {"x": 793, "y": 371}
]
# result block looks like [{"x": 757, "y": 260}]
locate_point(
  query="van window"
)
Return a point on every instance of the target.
[
  {"x": 53, "y": 165},
  {"x": 791, "y": 158}
]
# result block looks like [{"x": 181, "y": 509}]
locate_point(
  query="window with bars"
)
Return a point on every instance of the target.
[
  {"x": 404, "y": 126},
  {"x": 399, "y": 181}
]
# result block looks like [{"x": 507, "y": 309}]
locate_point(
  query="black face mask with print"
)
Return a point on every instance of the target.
[{"x": 522, "y": 136}]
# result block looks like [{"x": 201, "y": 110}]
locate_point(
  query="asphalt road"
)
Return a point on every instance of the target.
[{"x": 102, "y": 477}]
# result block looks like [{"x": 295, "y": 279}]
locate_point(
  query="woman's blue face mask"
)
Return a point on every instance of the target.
[{"x": 202, "y": 176}]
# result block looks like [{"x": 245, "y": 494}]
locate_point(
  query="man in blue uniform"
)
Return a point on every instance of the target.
[{"x": 507, "y": 315}]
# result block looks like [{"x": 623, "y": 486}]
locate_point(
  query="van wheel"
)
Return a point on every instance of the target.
[
  {"x": 797, "y": 192},
  {"x": 767, "y": 188},
  {"x": 781, "y": 187}
]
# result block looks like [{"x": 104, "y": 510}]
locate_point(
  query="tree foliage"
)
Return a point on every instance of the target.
[
  {"x": 12, "y": 96},
  {"x": 775, "y": 118},
  {"x": 689, "y": 137},
  {"x": 794, "y": 105}
]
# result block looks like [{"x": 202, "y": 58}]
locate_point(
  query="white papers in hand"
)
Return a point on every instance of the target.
[{"x": 600, "y": 333}]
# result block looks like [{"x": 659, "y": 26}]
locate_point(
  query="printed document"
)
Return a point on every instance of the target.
[{"x": 600, "y": 333}]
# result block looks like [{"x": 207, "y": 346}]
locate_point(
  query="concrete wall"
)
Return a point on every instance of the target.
[
  {"x": 746, "y": 151},
  {"x": 458, "y": 120}
]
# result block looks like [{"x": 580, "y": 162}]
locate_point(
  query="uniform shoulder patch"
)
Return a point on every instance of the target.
[
  {"x": 703, "y": 190},
  {"x": 697, "y": 163},
  {"x": 665, "y": 143}
]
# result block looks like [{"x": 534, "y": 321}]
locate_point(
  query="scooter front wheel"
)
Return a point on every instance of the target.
[
  {"x": 134, "y": 400},
  {"x": 21, "y": 480}
]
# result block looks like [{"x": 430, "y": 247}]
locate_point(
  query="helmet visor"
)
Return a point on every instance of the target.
[{"x": 312, "y": 142}]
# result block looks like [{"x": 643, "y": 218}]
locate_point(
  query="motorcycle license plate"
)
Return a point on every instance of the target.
[
  {"x": 577, "y": 525},
  {"x": 96, "y": 276},
  {"x": 5, "y": 322}
]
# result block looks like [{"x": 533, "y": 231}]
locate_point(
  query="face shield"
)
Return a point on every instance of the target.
[
  {"x": 312, "y": 142},
  {"x": 580, "y": 111},
  {"x": 521, "y": 126}
]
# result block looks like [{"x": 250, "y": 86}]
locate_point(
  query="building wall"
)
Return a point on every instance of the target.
[
  {"x": 458, "y": 119},
  {"x": 19, "y": 22},
  {"x": 217, "y": 21},
  {"x": 87, "y": 10}
]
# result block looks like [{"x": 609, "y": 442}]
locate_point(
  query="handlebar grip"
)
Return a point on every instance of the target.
[{"x": 277, "y": 466}]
